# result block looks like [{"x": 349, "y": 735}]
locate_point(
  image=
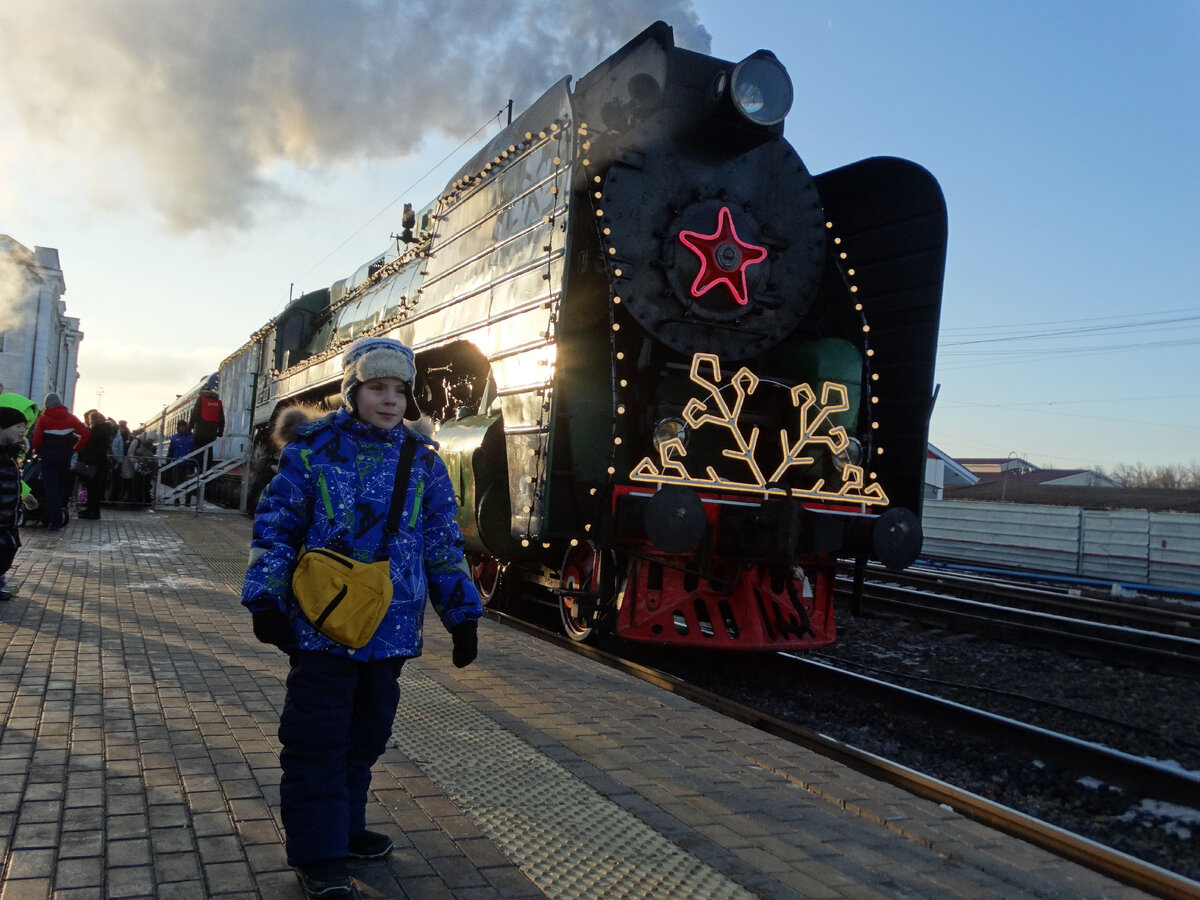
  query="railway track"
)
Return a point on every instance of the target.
[
  {"x": 1168, "y": 614},
  {"x": 1136, "y": 775},
  {"x": 1149, "y": 638},
  {"x": 1162, "y": 613}
]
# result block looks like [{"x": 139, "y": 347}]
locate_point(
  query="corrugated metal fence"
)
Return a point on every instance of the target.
[{"x": 1126, "y": 546}]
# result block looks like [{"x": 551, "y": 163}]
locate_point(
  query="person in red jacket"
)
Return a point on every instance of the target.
[
  {"x": 207, "y": 421},
  {"x": 56, "y": 435}
]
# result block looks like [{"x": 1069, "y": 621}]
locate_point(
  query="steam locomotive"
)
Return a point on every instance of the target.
[{"x": 674, "y": 376}]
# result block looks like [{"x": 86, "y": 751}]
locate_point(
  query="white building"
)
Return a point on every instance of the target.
[
  {"x": 39, "y": 342},
  {"x": 942, "y": 472}
]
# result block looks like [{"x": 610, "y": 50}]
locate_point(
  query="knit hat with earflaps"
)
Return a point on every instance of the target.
[{"x": 379, "y": 357}]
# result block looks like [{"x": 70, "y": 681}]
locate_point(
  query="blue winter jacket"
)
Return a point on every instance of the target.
[{"x": 333, "y": 489}]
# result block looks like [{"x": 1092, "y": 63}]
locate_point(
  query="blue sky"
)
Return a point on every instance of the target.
[{"x": 1064, "y": 135}]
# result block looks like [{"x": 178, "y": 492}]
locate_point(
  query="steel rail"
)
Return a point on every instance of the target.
[
  {"x": 1152, "y": 614},
  {"x": 1134, "y": 774},
  {"x": 1118, "y": 644}
]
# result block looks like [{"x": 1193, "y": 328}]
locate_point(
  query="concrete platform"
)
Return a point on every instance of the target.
[{"x": 139, "y": 758}]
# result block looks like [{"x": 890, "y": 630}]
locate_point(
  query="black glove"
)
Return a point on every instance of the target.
[
  {"x": 271, "y": 626},
  {"x": 466, "y": 643}
]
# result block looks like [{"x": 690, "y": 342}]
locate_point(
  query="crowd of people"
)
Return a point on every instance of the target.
[
  {"x": 61, "y": 458},
  {"x": 101, "y": 457},
  {"x": 49, "y": 457}
]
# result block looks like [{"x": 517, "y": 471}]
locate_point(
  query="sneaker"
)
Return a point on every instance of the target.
[
  {"x": 8, "y": 595},
  {"x": 370, "y": 845},
  {"x": 327, "y": 879}
]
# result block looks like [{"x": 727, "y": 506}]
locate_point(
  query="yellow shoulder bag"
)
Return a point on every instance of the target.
[{"x": 341, "y": 597}]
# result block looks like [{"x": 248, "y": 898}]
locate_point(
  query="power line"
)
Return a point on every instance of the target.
[
  {"x": 1082, "y": 331},
  {"x": 1071, "y": 326},
  {"x": 963, "y": 347},
  {"x": 1106, "y": 400},
  {"x": 406, "y": 192},
  {"x": 1026, "y": 409},
  {"x": 971, "y": 359}
]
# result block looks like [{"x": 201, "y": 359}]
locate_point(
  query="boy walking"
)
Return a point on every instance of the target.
[{"x": 334, "y": 489}]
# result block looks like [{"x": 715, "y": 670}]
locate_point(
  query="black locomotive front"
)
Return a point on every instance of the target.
[{"x": 746, "y": 356}]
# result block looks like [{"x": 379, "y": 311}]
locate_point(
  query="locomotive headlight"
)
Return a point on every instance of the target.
[
  {"x": 761, "y": 89},
  {"x": 850, "y": 455},
  {"x": 668, "y": 429}
]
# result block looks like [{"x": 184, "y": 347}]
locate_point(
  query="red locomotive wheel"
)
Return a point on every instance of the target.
[
  {"x": 488, "y": 574},
  {"x": 580, "y": 572}
]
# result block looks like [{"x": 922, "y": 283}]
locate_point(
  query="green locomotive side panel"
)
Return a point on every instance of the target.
[
  {"x": 377, "y": 304},
  {"x": 838, "y": 361},
  {"x": 472, "y": 472},
  {"x": 494, "y": 276}
]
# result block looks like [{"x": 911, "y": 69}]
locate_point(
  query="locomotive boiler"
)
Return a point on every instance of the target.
[{"x": 674, "y": 375}]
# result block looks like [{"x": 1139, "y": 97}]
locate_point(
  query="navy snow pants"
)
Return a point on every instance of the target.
[
  {"x": 56, "y": 484},
  {"x": 337, "y": 719}
]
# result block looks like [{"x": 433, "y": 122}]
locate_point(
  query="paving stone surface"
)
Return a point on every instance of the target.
[{"x": 139, "y": 758}]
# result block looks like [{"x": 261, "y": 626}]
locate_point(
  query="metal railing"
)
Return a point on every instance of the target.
[{"x": 179, "y": 482}]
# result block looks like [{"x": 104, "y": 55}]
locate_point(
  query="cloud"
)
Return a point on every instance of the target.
[
  {"x": 192, "y": 106},
  {"x": 136, "y": 379}
]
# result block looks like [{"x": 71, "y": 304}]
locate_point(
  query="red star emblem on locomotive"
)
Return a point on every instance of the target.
[{"x": 724, "y": 258}]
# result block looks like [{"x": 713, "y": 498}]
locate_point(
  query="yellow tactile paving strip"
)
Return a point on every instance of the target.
[{"x": 571, "y": 841}]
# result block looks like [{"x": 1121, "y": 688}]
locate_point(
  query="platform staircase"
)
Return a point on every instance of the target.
[{"x": 193, "y": 473}]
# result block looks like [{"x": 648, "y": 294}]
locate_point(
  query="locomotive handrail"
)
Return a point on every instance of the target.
[{"x": 492, "y": 214}]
